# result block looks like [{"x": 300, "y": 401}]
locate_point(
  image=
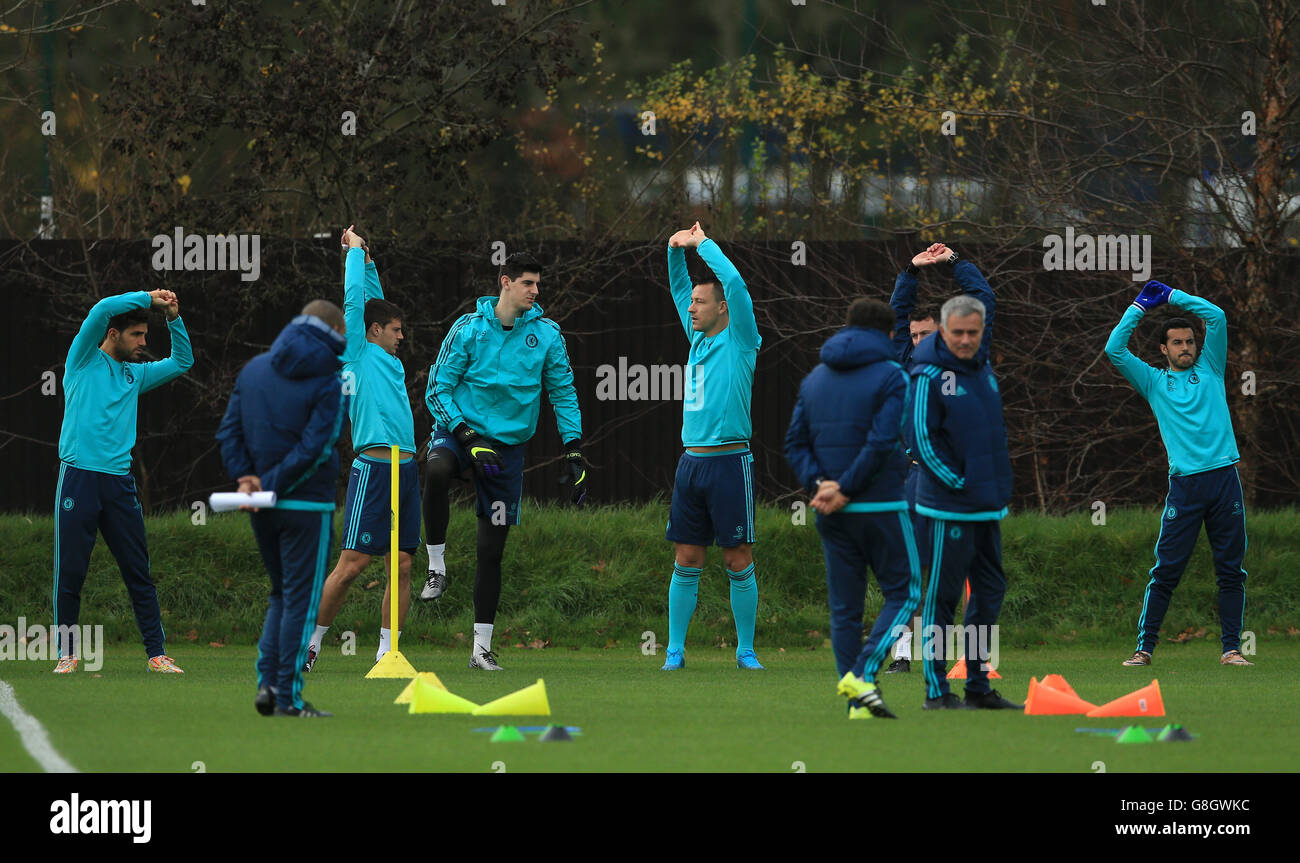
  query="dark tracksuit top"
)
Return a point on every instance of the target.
[
  {"x": 283, "y": 425},
  {"x": 954, "y": 425},
  {"x": 903, "y": 300},
  {"x": 847, "y": 427}
]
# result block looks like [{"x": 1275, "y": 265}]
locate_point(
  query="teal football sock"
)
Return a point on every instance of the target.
[
  {"x": 682, "y": 593},
  {"x": 744, "y": 606}
]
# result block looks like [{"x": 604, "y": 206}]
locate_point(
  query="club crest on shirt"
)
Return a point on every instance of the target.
[
  {"x": 130, "y": 378},
  {"x": 1193, "y": 379},
  {"x": 531, "y": 341},
  {"x": 1171, "y": 513},
  {"x": 68, "y": 503}
]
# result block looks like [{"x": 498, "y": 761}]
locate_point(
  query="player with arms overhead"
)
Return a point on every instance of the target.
[
  {"x": 1190, "y": 404},
  {"x": 713, "y": 491},
  {"x": 380, "y": 410},
  {"x": 103, "y": 380}
]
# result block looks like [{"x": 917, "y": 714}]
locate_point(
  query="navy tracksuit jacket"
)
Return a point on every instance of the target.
[
  {"x": 847, "y": 427},
  {"x": 955, "y": 428},
  {"x": 902, "y": 301},
  {"x": 282, "y": 425}
]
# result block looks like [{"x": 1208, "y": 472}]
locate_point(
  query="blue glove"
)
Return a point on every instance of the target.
[
  {"x": 1153, "y": 294},
  {"x": 484, "y": 457}
]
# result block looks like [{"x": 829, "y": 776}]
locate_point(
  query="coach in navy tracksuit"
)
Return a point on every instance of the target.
[
  {"x": 954, "y": 426},
  {"x": 844, "y": 444},
  {"x": 912, "y": 323},
  {"x": 279, "y": 434}
]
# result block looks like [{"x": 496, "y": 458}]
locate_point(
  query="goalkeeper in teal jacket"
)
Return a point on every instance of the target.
[{"x": 485, "y": 394}]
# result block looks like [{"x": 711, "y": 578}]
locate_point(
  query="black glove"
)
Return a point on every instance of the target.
[
  {"x": 481, "y": 453},
  {"x": 573, "y": 472}
]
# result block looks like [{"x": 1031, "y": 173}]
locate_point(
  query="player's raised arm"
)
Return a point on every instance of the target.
[
  {"x": 1136, "y": 372},
  {"x": 972, "y": 281},
  {"x": 882, "y": 439},
  {"x": 91, "y": 334},
  {"x": 679, "y": 278},
  {"x": 446, "y": 373},
  {"x": 360, "y": 285},
  {"x": 740, "y": 306},
  {"x": 1215, "y": 352},
  {"x": 180, "y": 361},
  {"x": 902, "y": 301},
  {"x": 920, "y": 427}
]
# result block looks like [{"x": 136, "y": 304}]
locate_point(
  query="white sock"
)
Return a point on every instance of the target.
[
  {"x": 319, "y": 637},
  {"x": 385, "y": 639},
  {"x": 436, "y": 563},
  {"x": 482, "y": 638},
  {"x": 903, "y": 647}
]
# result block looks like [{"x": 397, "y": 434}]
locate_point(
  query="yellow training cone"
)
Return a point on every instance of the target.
[
  {"x": 427, "y": 698},
  {"x": 529, "y": 701},
  {"x": 391, "y": 665},
  {"x": 427, "y": 676}
]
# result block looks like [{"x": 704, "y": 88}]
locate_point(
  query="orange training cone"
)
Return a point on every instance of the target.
[
  {"x": 1144, "y": 702},
  {"x": 1047, "y": 701},
  {"x": 1058, "y": 683},
  {"x": 959, "y": 671}
]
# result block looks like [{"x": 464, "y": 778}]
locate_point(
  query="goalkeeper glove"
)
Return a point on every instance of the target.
[
  {"x": 481, "y": 453},
  {"x": 573, "y": 472},
  {"x": 1153, "y": 294}
]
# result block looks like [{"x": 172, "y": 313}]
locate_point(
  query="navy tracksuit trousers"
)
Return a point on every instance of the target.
[
  {"x": 852, "y": 541},
  {"x": 1213, "y": 498},
  {"x": 295, "y": 547},
  {"x": 961, "y": 551},
  {"x": 89, "y": 502}
]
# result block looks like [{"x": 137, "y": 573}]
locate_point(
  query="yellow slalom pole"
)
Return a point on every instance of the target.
[
  {"x": 395, "y": 475},
  {"x": 393, "y": 664}
]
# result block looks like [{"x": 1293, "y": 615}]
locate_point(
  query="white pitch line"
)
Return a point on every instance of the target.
[{"x": 35, "y": 740}]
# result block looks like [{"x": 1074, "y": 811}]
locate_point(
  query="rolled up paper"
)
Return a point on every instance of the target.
[{"x": 225, "y": 501}]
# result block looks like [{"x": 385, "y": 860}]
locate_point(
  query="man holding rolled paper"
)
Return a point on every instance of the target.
[{"x": 280, "y": 435}]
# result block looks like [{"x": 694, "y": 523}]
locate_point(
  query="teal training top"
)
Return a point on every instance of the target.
[
  {"x": 380, "y": 409},
  {"x": 100, "y": 393},
  {"x": 719, "y": 377},
  {"x": 1191, "y": 407},
  {"x": 491, "y": 378}
]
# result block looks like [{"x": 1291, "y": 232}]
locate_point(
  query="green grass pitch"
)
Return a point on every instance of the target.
[{"x": 709, "y": 717}]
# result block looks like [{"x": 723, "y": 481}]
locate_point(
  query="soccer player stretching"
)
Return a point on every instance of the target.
[
  {"x": 485, "y": 394},
  {"x": 102, "y": 382},
  {"x": 1191, "y": 410},
  {"x": 713, "y": 491},
  {"x": 380, "y": 411}
]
